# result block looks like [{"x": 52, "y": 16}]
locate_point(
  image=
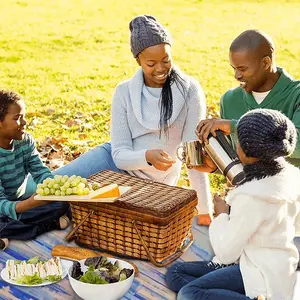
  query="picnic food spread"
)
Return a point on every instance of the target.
[
  {"x": 34, "y": 271},
  {"x": 76, "y": 185},
  {"x": 100, "y": 271}
]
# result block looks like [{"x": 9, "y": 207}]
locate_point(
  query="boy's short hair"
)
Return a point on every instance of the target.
[{"x": 7, "y": 98}]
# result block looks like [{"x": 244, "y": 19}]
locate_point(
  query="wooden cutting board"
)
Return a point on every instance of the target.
[{"x": 86, "y": 198}]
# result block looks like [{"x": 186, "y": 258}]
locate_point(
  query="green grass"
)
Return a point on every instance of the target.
[{"x": 69, "y": 55}]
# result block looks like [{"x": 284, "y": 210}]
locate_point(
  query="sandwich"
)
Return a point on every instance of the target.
[{"x": 34, "y": 270}]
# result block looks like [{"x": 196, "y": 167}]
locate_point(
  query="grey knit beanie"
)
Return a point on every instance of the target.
[
  {"x": 266, "y": 134},
  {"x": 146, "y": 32}
]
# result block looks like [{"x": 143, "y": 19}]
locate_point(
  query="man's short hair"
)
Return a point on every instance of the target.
[{"x": 253, "y": 40}]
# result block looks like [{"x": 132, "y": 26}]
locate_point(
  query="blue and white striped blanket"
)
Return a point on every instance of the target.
[{"x": 150, "y": 284}]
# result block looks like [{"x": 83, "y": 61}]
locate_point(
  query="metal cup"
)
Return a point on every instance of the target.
[{"x": 193, "y": 153}]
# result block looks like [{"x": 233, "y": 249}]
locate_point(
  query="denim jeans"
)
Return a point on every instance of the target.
[
  {"x": 89, "y": 163},
  {"x": 33, "y": 222},
  {"x": 206, "y": 280}
]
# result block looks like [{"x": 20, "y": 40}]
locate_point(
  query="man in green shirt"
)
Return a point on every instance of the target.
[{"x": 262, "y": 85}]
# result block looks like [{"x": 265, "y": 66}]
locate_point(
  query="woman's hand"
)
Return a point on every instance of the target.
[
  {"x": 220, "y": 206},
  {"x": 205, "y": 127},
  {"x": 159, "y": 159},
  {"x": 29, "y": 203}
]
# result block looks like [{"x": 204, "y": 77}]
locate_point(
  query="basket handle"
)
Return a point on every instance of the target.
[
  {"x": 168, "y": 260},
  {"x": 70, "y": 235}
]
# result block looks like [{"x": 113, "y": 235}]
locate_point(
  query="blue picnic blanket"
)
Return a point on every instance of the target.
[{"x": 149, "y": 284}]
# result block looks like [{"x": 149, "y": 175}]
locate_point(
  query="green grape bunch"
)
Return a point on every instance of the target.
[{"x": 63, "y": 186}]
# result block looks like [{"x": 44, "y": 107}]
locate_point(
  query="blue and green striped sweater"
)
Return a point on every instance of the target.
[{"x": 15, "y": 165}]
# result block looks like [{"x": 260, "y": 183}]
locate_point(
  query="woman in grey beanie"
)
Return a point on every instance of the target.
[
  {"x": 152, "y": 114},
  {"x": 255, "y": 256}
]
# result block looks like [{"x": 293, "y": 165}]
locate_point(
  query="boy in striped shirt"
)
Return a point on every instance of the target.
[{"x": 22, "y": 217}]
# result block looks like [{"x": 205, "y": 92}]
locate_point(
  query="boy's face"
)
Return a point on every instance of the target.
[{"x": 14, "y": 124}]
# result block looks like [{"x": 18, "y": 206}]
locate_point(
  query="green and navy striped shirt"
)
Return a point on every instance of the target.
[{"x": 15, "y": 165}]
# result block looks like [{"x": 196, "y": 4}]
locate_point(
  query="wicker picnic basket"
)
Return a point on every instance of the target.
[{"x": 150, "y": 221}]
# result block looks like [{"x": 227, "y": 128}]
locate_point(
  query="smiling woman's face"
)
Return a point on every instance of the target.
[{"x": 156, "y": 63}]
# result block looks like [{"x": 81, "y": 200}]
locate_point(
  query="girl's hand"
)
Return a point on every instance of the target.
[
  {"x": 159, "y": 159},
  {"x": 220, "y": 205}
]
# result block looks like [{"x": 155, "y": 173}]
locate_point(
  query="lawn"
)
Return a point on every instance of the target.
[{"x": 66, "y": 56}]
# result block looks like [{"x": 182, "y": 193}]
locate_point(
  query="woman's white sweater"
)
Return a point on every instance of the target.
[
  {"x": 135, "y": 129},
  {"x": 259, "y": 232}
]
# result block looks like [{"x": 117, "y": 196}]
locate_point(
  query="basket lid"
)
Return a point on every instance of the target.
[{"x": 145, "y": 195}]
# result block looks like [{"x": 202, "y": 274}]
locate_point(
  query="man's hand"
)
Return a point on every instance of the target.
[
  {"x": 205, "y": 127},
  {"x": 29, "y": 204},
  {"x": 159, "y": 159},
  {"x": 220, "y": 206}
]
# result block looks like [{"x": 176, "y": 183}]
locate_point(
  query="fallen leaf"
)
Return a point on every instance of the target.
[
  {"x": 82, "y": 136},
  {"x": 76, "y": 154},
  {"x": 59, "y": 140},
  {"x": 70, "y": 123},
  {"x": 50, "y": 111},
  {"x": 33, "y": 114},
  {"x": 79, "y": 115}
]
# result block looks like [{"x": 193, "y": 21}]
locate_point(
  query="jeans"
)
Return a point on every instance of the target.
[
  {"x": 206, "y": 280},
  {"x": 33, "y": 222},
  {"x": 89, "y": 163}
]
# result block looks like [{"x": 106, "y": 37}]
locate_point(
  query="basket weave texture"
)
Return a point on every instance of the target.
[{"x": 161, "y": 214}]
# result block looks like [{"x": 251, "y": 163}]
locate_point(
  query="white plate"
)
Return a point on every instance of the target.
[
  {"x": 86, "y": 198},
  {"x": 65, "y": 266}
]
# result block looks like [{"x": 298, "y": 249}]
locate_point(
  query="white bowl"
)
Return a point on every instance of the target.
[{"x": 110, "y": 291}]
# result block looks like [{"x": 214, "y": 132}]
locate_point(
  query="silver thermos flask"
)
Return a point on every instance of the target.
[{"x": 226, "y": 159}]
